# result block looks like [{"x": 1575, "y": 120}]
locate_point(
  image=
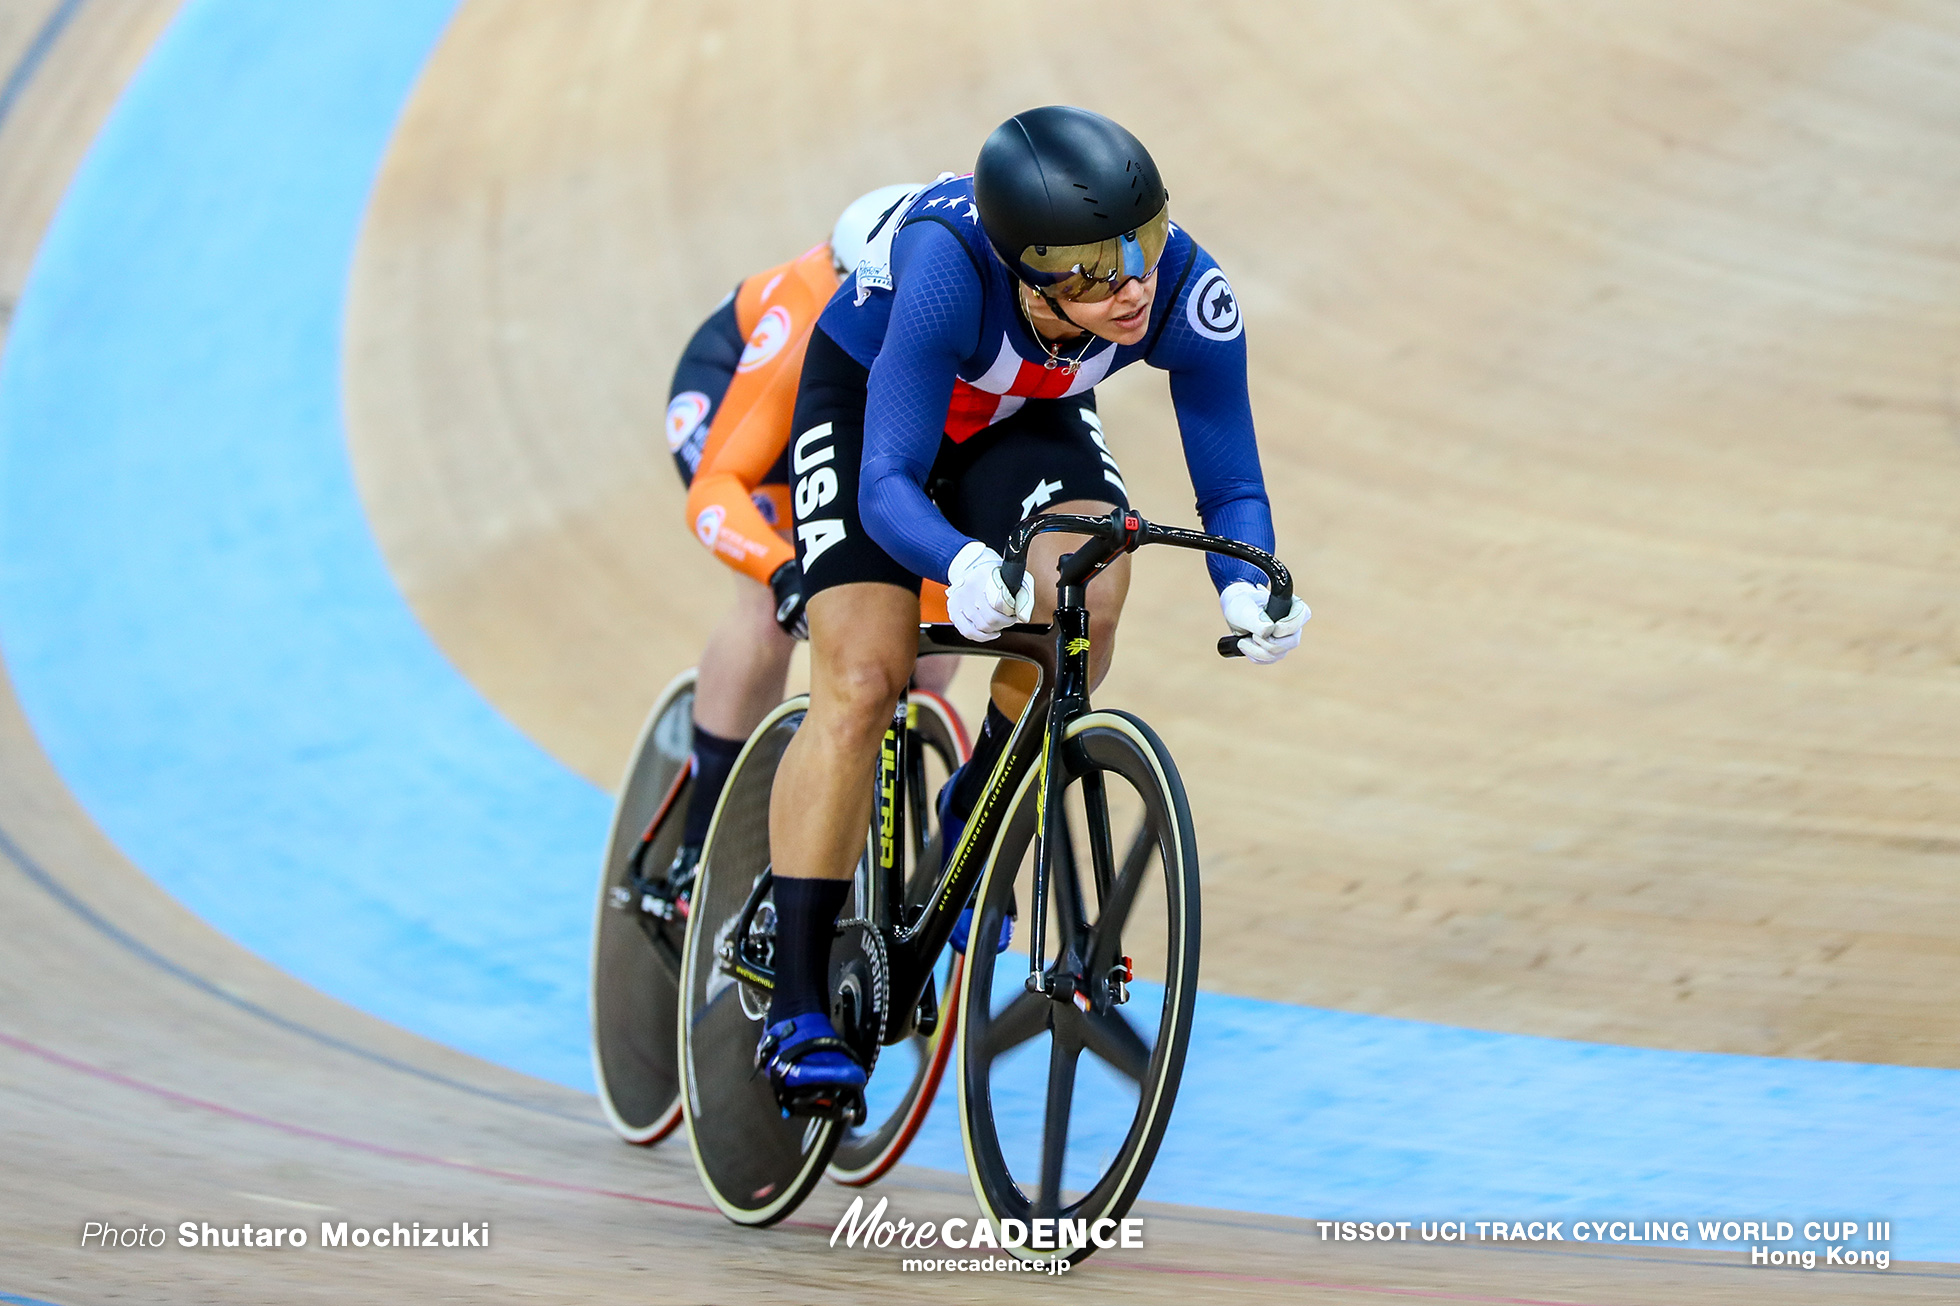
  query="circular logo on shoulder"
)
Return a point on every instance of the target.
[
  {"x": 685, "y": 413},
  {"x": 1212, "y": 308},
  {"x": 707, "y": 526},
  {"x": 767, "y": 340}
]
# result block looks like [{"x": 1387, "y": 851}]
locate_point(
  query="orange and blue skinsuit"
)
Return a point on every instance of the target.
[
  {"x": 728, "y": 420},
  {"x": 728, "y": 417}
]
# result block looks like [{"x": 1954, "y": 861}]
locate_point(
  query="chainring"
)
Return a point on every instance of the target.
[{"x": 860, "y": 989}]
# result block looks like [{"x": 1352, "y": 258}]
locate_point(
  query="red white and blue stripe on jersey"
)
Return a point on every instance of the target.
[{"x": 1011, "y": 381}]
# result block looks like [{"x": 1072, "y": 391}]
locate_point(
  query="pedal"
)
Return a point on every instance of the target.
[{"x": 825, "y": 1104}]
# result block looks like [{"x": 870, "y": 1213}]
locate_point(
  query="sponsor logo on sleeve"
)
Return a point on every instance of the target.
[
  {"x": 707, "y": 526},
  {"x": 685, "y": 413},
  {"x": 767, "y": 340},
  {"x": 1212, "y": 308}
]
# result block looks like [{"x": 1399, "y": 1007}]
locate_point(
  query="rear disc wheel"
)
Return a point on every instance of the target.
[
  {"x": 636, "y": 957},
  {"x": 757, "y": 1165}
]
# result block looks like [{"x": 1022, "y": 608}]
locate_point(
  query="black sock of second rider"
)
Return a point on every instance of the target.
[{"x": 714, "y": 758}]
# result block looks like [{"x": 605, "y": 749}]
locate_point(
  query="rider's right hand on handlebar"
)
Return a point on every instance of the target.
[
  {"x": 1265, "y": 641},
  {"x": 977, "y": 598}
]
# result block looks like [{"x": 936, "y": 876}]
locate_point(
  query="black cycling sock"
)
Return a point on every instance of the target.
[
  {"x": 806, "y": 922},
  {"x": 994, "y": 733},
  {"x": 714, "y": 758}
]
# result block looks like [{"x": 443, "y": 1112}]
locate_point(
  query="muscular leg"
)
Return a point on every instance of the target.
[
  {"x": 935, "y": 673},
  {"x": 864, "y": 638},
  {"x": 743, "y": 665},
  {"x": 741, "y": 677}
]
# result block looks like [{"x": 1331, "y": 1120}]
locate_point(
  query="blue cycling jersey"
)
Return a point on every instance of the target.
[{"x": 950, "y": 354}]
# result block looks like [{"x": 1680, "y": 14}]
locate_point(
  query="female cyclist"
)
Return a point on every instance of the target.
[{"x": 946, "y": 394}]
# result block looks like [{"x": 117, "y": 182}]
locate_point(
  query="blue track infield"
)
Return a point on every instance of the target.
[{"x": 209, "y": 646}]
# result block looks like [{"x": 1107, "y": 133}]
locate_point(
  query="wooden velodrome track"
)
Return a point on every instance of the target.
[
  {"x": 1604, "y": 362},
  {"x": 1603, "y": 359}
]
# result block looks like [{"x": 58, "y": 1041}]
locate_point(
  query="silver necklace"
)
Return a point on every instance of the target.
[{"x": 1055, "y": 359}]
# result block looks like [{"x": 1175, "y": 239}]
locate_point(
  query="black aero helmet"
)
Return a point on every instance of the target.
[{"x": 1071, "y": 202}]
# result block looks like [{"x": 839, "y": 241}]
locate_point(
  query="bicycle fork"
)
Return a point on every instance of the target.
[{"x": 1052, "y": 861}]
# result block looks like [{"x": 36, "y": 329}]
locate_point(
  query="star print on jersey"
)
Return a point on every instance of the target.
[
  {"x": 1212, "y": 309},
  {"x": 1040, "y": 497},
  {"x": 972, "y": 213}
]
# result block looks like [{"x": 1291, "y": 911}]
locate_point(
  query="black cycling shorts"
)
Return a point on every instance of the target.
[{"x": 1048, "y": 452}]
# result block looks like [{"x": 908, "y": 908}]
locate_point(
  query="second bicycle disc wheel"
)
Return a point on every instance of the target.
[
  {"x": 636, "y": 958},
  {"x": 756, "y": 1164},
  {"x": 1051, "y": 1133}
]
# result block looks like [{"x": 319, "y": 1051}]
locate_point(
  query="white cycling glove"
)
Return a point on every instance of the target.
[
  {"x": 977, "y": 598},
  {"x": 1266, "y": 641}
]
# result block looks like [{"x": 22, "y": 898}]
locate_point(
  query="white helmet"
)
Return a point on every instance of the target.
[{"x": 853, "y": 229}]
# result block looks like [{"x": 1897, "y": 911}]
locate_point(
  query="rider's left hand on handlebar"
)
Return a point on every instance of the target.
[
  {"x": 977, "y": 598},
  {"x": 1266, "y": 641}
]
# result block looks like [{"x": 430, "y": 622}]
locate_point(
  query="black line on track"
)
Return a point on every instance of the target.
[
  {"x": 144, "y": 952},
  {"x": 32, "y": 58}
]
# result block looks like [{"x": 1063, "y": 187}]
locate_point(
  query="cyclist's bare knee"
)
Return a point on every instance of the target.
[{"x": 863, "y": 642}]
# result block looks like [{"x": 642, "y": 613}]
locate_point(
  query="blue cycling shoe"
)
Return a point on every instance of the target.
[
  {"x": 950, "y": 830},
  {"x": 813, "y": 1071},
  {"x": 964, "y": 927}
]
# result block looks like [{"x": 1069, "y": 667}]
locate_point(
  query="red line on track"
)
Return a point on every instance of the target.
[
  {"x": 338, "y": 1140},
  {"x": 121, "y": 1080}
]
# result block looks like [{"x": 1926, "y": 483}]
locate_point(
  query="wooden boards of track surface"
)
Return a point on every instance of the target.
[{"x": 1604, "y": 362}]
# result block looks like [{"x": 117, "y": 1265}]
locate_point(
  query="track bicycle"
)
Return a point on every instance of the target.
[
  {"x": 1111, "y": 966},
  {"x": 640, "y": 927}
]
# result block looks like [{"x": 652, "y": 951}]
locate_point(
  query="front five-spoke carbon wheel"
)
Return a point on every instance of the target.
[{"x": 1065, "y": 1094}]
